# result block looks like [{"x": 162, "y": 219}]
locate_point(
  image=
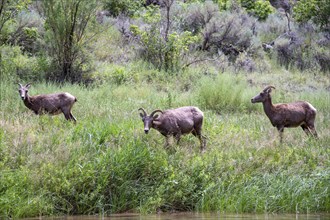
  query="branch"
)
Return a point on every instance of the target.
[{"x": 197, "y": 61}]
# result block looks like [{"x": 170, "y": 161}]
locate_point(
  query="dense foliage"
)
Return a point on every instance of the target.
[
  {"x": 318, "y": 11},
  {"x": 171, "y": 35},
  {"x": 66, "y": 23}
]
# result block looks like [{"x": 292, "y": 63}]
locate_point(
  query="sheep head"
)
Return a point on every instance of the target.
[
  {"x": 23, "y": 90},
  {"x": 148, "y": 120},
  {"x": 263, "y": 95}
]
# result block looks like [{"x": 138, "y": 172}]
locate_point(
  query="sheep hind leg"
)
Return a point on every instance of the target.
[
  {"x": 201, "y": 138},
  {"x": 69, "y": 116},
  {"x": 73, "y": 118}
]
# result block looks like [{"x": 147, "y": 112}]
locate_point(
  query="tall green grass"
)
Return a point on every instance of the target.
[
  {"x": 225, "y": 92},
  {"x": 106, "y": 164}
]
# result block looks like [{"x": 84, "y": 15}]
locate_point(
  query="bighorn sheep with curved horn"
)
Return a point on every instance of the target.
[
  {"x": 52, "y": 104},
  {"x": 293, "y": 114},
  {"x": 175, "y": 122}
]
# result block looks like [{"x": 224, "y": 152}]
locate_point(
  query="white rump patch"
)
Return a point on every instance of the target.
[
  {"x": 69, "y": 95},
  {"x": 312, "y": 107}
]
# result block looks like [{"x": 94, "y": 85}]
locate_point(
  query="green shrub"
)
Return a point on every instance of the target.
[
  {"x": 316, "y": 10},
  {"x": 116, "y": 74},
  {"x": 18, "y": 66},
  {"x": 260, "y": 8},
  {"x": 164, "y": 51},
  {"x": 228, "y": 33},
  {"x": 303, "y": 49},
  {"x": 126, "y": 7}
]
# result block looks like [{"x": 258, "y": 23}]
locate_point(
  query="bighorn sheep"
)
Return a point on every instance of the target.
[
  {"x": 294, "y": 114},
  {"x": 175, "y": 122},
  {"x": 52, "y": 104}
]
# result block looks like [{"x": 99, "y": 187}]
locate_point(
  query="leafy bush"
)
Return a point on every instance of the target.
[
  {"x": 316, "y": 10},
  {"x": 303, "y": 49},
  {"x": 66, "y": 26},
  {"x": 262, "y": 9},
  {"x": 259, "y": 8},
  {"x": 229, "y": 33},
  {"x": 198, "y": 15},
  {"x": 8, "y": 17},
  {"x": 16, "y": 65},
  {"x": 115, "y": 74},
  {"x": 163, "y": 50},
  {"x": 127, "y": 7},
  {"x": 27, "y": 32}
]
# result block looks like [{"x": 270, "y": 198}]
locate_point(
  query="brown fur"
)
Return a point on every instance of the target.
[
  {"x": 52, "y": 104},
  {"x": 176, "y": 122},
  {"x": 287, "y": 115}
]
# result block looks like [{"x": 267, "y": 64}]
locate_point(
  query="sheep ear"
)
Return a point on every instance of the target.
[
  {"x": 20, "y": 85},
  {"x": 28, "y": 85},
  {"x": 142, "y": 116}
]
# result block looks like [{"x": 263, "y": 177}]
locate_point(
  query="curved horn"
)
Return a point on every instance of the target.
[
  {"x": 268, "y": 88},
  {"x": 154, "y": 112},
  {"x": 144, "y": 112}
]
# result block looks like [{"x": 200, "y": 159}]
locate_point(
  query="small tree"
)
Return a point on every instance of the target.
[
  {"x": 8, "y": 10},
  {"x": 161, "y": 46},
  {"x": 316, "y": 10},
  {"x": 67, "y": 21}
]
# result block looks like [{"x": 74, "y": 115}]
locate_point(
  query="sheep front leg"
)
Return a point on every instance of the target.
[
  {"x": 312, "y": 130},
  {"x": 73, "y": 118},
  {"x": 202, "y": 139},
  {"x": 281, "y": 130},
  {"x": 178, "y": 137},
  {"x": 306, "y": 129},
  {"x": 167, "y": 141}
]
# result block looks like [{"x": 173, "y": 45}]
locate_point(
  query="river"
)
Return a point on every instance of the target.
[{"x": 193, "y": 216}]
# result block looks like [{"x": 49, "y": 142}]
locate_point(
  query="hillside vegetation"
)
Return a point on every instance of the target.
[{"x": 106, "y": 164}]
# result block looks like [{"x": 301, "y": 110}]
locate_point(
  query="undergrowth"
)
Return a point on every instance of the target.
[{"x": 106, "y": 164}]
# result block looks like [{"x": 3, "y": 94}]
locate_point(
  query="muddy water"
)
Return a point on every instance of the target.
[{"x": 193, "y": 216}]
